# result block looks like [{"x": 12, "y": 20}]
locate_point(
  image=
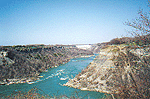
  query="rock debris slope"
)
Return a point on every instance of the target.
[
  {"x": 96, "y": 76},
  {"x": 119, "y": 69}
]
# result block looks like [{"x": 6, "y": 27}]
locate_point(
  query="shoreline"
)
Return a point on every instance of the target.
[
  {"x": 100, "y": 75},
  {"x": 96, "y": 76},
  {"x": 34, "y": 79}
]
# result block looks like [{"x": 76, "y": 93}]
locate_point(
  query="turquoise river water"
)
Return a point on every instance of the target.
[{"x": 52, "y": 81}]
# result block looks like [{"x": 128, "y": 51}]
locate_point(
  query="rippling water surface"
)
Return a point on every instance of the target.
[{"x": 52, "y": 81}]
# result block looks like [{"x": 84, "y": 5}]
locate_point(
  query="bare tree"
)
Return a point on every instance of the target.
[
  {"x": 132, "y": 63},
  {"x": 141, "y": 28}
]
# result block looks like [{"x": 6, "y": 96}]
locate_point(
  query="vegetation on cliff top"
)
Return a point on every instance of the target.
[
  {"x": 17, "y": 62},
  {"x": 132, "y": 73},
  {"x": 129, "y": 76}
]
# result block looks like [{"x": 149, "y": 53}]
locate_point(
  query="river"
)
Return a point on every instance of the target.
[{"x": 52, "y": 81}]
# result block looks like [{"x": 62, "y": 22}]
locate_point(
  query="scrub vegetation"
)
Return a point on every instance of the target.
[
  {"x": 128, "y": 76},
  {"x": 21, "y": 63},
  {"x": 122, "y": 68}
]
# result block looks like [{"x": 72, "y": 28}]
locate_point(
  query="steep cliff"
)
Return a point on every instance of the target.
[
  {"x": 19, "y": 62},
  {"x": 119, "y": 69}
]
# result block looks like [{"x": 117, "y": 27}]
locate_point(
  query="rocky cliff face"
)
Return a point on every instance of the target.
[
  {"x": 96, "y": 76},
  {"x": 118, "y": 69},
  {"x": 17, "y": 62}
]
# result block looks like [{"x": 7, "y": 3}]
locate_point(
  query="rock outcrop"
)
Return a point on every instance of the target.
[
  {"x": 117, "y": 69},
  {"x": 96, "y": 76}
]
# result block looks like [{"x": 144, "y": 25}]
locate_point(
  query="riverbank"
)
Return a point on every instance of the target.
[
  {"x": 34, "y": 79},
  {"x": 93, "y": 78},
  {"x": 52, "y": 81},
  {"x": 112, "y": 69},
  {"x": 24, "y": 63}
]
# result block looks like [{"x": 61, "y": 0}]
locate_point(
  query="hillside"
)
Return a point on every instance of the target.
[
  {"x": 120, "y": 70},
  {"x": 25, "y": 63}
]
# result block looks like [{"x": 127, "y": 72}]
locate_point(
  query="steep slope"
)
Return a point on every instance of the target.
[
  {"x": 119, "y": 69},
  {"x": 96, "y": 76},
  {"x": 18, "y": 62}
]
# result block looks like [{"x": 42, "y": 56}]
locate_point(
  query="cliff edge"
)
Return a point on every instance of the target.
[
  {"x": 118, "y": 69},
  {"x": 20, "y": 64},
  {"x": 97, "y": 75}
]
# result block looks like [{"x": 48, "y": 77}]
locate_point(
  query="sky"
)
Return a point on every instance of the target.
[{"x": 47, "y": 22}]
